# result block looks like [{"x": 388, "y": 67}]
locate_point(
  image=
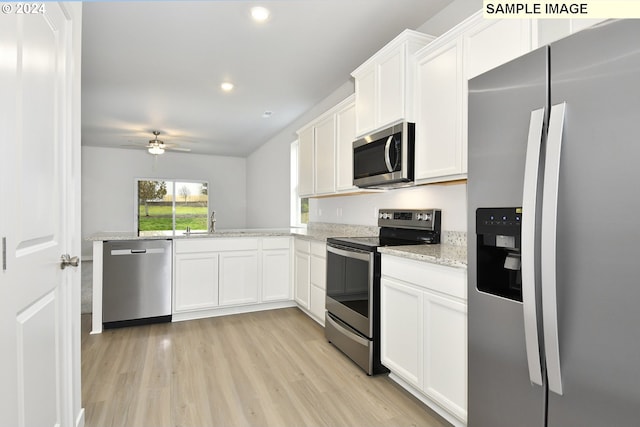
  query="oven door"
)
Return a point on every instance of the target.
[{"x": 350, "y": 277}]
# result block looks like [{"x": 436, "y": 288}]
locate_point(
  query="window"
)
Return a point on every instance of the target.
[
  {"x": 299, "y": 205},
  {"x": 168, "y": 207}
]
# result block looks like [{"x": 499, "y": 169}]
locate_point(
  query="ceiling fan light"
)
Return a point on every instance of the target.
[{"x": 156, "y": 150}]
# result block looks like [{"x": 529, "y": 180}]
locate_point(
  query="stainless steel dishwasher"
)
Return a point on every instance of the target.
[{"x": 136, "y": 282}]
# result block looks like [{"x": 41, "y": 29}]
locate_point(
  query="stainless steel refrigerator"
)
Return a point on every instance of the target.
[{"x": 554, "y": 235}]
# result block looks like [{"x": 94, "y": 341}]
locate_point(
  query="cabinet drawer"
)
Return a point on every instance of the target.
[
  {"x": 302, "y": 245},
  {"x": 275, "y": 243},
  {"x": 446, "y": 280},
  {"x": 215, "y": 245},
  {"x": 319, "y": 249}
]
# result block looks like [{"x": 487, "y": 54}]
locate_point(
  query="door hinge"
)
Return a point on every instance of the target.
[{"x": 4, "y": 254}]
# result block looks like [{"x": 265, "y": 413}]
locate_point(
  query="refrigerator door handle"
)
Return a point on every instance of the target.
[
  {"x": 548, "y": 247},
  {"x": 529, "y": 204}
]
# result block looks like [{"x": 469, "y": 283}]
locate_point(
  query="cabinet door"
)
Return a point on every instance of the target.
[
  {"x": 196, "y": 281},
  {"x": 439, "y": 133},
  {"x": 305, "y": 162},
  {"x": 238, "y": 277},
  {"x": 512, "y": 35},
  {"x": 401, "y": 330},
  {"x": 276, "y": 282},
  {"x": 345, "y": 135},
  {"x": 445, "y": 350},
  {"x": 366, "y": 101},
  {"x": 318, "y": 280},
  {"x": 301, "y": 288},
  {"x": 318, "y": 274},
  {"x": 325, "y": 155},
  {"x": 391, "y": 88},
  {"x": 317, "y": 306}
]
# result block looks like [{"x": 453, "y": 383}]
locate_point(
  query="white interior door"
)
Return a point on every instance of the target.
[{"x": 39, "y": 361}]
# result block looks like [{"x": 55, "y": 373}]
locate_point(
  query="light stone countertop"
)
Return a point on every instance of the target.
[
  {"x": 443, "y": 254},
  {"x": 125, "y": 235},
  {"x": 316, "y": 231},
  {"x": 453, "y": 255}
]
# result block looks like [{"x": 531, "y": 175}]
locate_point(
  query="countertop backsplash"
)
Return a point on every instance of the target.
[
  {"x": 343, "y": 230},
  {"x": 454, "y": 238}
]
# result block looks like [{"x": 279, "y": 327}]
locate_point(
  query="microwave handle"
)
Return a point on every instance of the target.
[{"x": 387, "y": 157}]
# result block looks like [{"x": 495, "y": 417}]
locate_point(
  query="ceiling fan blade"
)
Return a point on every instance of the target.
[{"x": 185, "y": 150}]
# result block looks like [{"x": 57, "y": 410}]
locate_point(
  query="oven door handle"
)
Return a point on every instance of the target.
[{"x": 350, "y": 252}]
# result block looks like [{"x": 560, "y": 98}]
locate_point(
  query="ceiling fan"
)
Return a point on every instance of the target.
[{"x": 157, "y": 146}]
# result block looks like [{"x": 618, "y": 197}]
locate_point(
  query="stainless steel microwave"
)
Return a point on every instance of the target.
[{"x": 385, "y": 159}]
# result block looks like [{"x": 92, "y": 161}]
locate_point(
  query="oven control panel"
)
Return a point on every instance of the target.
[{"x": 425, "y": 219}]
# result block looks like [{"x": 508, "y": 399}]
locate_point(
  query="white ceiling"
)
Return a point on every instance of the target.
[{"x": 158, "y": 66}]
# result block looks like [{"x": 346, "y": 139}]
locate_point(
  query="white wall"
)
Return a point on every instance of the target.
[
  {"x": 363, "y": 209},
  {"x": 108, "y": 186},
  {"x": 268, "y": 169},
  {"x": 451, "y": 15}
]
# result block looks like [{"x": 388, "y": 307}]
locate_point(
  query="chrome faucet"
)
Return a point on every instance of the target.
[{"x": 212, "y": 224}]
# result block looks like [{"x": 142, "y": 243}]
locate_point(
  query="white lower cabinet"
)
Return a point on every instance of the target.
[
  {"x": 424, "y": 332},
  {"x": 216, "y": 276},
  {"x": 238, "y": 278},
  {"x": 401, "y": 327},
  {"x": 196, "y": 281},
  {"x": 318, "y": 281},
  {"x": 310, "y": 277},
  {"x": 302, "y": 270},
  {"x": 276, "y": 269}
]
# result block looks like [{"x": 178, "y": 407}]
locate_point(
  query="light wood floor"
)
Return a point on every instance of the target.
[{"x": 271, "y": 368}]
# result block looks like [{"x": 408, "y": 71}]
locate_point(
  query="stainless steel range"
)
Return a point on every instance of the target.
[{"x": 353, "y": 281}]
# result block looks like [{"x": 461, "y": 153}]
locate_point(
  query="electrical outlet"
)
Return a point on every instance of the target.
[
  {"x": 375, "y": 213},
  {"x": 338, "y": 212},
  {"x": 319, "y": 212}
]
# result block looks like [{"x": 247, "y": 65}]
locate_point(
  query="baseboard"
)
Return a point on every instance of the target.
[
  {"x": 80, "y": 418},
  {"x": 455, "y": 421},
  {"x": 224, "y": 311}
]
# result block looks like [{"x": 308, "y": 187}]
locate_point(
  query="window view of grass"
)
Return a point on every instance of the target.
[
  {"x": 160, "y": 201},
  {"x": 304, "y": 210}
]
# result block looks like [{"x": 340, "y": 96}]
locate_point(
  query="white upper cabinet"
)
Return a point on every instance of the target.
[
  {"x": 384, "y": 83},
  {"x": 306, "y": 161},
  {"x": 442, "y": 72},
  {"x": 325, "y": 162},
  {"x": 490, "y": 43},
  {"x": 366, "y": 100},
  {"x": 345, "y": 135},
  {"x": 325, "y": 155},
  {"x": 547, "y": 31},
  {"x": 439, "y": 110}
]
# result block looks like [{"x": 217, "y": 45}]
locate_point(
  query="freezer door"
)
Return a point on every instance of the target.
[
  {"x": 501, "y": 102},
  {"x": 597, "y": 74}
]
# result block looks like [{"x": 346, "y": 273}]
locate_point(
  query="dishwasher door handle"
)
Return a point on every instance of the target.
[{"x": 137, "y": 251}]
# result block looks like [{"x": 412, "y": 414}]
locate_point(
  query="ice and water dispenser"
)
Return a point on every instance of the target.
[{"x": 498, "y": 237}]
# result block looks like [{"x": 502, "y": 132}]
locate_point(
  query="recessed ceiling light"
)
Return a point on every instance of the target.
[
  {"x": 226, "y": 86},
  {"x": 267, "y": 114},
  {"x": 260, "y": 13}
]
